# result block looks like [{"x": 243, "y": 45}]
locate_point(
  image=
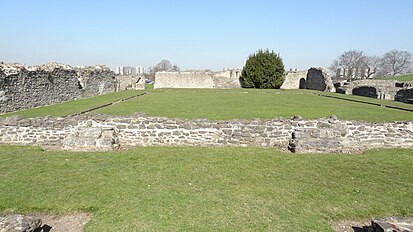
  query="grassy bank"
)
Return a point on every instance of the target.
[
  {"x": 398, "y": 78},
  {"x": 73, "y": 107},
  {"x": 207, "y": 189}
]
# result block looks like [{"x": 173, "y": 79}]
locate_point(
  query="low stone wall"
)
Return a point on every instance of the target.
[
  {"x": 103, "y": 133},
  {"x": 381, "y": 89}
]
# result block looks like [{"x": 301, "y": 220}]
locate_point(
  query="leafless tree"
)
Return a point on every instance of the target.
[
  {"x": 175, "y": 68},
  {"x": 396, "y": 62},
  {"x": 373, "y": 66},
  {"x": 164, "y": 65},
  {"x": 349, "y": 61}
]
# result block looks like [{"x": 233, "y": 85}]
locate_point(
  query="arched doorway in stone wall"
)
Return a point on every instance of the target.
[
  {"x": 404, "y": 95},
  {"x": 302, "y": 83},
  {"x": 366, "y": 91}
]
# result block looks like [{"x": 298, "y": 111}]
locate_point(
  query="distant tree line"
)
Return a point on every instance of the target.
[
  {"x": 164, "y": 65},
  {"x": 392, "y": 63}
]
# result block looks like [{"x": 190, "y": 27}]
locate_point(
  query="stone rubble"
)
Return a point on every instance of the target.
[
  {"x": 19, "y": 223},
  {"x": 392, "y": 224}
]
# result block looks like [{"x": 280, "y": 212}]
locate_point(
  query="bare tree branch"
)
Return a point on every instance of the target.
[{"x": 397, "y": 62}]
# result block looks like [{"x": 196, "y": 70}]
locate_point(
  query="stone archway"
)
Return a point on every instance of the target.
[
  {"x": 302, "y": 84},
  {"x": 366, "y": 91},
  {"x": 404, "y": 95}
]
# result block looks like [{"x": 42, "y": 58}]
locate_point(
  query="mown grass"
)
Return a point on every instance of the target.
[
  {"x": 230, "y": 104},
  {"x": 251, "y": 104},
  {"x": 72, "y": 107},
  {"x": 398, "y": 78},
  {"x": 207, "y": 189}
]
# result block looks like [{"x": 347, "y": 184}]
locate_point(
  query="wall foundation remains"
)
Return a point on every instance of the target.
[
  {"x": 92, "y": 132},
  {"x": 381, "y": 89}
]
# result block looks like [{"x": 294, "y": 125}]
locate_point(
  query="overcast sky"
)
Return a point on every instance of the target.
[{"x": 207, "y": 34}]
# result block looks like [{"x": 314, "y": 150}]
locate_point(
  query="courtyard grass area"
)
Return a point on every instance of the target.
[
  {"x": 251, "y": 104},
  {"x": 207, "y": 189},
  {"x": 73, "y": 107},
  {"x": 226, "y": 104},
  {"x": 399, "y": 78}
]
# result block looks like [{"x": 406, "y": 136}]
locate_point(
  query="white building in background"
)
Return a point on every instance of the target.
[
  {"x": 127, "y": 70},
  {"x": 140, "y": 70},
  {"x": 119, "y": 70}
]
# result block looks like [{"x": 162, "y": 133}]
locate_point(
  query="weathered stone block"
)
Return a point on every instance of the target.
[
  {"x": 93, "y": 132},
  {"x": 176, "y": 133},
  {"x": 20, "y": 223}
]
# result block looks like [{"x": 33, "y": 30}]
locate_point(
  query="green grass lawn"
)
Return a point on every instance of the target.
[
  {"x": 250, "y": 104},
  {"x": 207, "y": 189},
  {"x": 72, "y": 107},
  {"x": 398, "y": 78},
  {"x": 230, "y": 104}
]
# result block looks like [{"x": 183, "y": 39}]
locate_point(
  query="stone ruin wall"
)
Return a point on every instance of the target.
[
  {"x": 24, "y": 87},
  {"x": 198, "y": 79},
  {"x": 105, "y": 133},
  {"x": 294, "y": 80},
  {"x": 314, "y": 78},
  {"x": 381, "y": 89},
  {"x": 318, "y": 79},
  {"x": 404, "y": 95},
  {"x": 130, "y": 82},
  {"x": 97, "y": 80}
]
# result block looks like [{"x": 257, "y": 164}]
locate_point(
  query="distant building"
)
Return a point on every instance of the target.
[
  {"x": 140, "y": 70},
  {"x": 119, "y": 70},
  {"x": 127, "y": 70}
]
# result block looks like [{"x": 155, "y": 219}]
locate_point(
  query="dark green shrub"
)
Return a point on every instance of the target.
[{"x": 263, "y": 70}]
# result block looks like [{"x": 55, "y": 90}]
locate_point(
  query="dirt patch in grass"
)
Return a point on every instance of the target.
[
  {"x": 60, "y": 223},
  {"x": 352, "y": 226}
]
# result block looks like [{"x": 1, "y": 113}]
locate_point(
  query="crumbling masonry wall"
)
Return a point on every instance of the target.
[
  {"x": 103, "y": 133},
  {"x": 27, "y": 89},
  {"x": 314, "y": 78},
  {"x": 318, "y": 79},
  {"x": 295, "y": 80},
  {"x": 24, "y": 87},
  {"x": 130, "y": 82},
  {"x": 381, "y": 89},
  {"x": 404, "y": 95},
  {"x": 198, "y": 79},
  {"x": 96, "y": 80}
]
